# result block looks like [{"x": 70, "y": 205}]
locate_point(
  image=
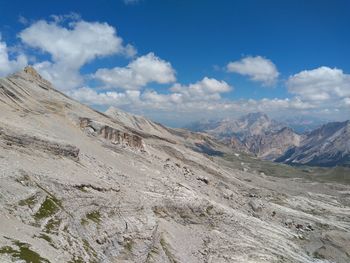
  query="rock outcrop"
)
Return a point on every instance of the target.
[
  {"x": 11, "y": 139},
  {"x": 113, "y": 135}
]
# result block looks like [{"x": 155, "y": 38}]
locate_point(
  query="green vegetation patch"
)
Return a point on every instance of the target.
[
  {"x": 47, "y": 238},
  {"x": 128, "y": 245},
  {"x": 94, "y": 216},
  {"x": 48, "y": 208},
  {"x": 77, "y": 260},
  {"x": 89, "y": 249},
  {"x": 53, "y": 225},
  {"x": 23, "y": 253}
]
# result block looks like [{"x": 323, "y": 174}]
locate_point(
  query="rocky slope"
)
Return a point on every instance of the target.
[
  {"x": 328, "y": 145},
  {"x": 77, "y": 185}
]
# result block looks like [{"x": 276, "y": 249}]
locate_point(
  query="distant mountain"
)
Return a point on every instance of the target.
[
  {"x": 257, "y": 134},
  {"x": 271, "y": 145},
  {"x": 252, "y": 133},
  {"x": 328, "y": 145},
  {"x": 247, "y": 125}
]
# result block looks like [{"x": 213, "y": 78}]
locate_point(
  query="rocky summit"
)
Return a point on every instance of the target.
[{"x": 78, "y": 185}]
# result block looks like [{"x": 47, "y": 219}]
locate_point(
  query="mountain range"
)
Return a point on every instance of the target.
[
  {"x": 268, "y": 139},
  {"x": 79, "y": 185}
]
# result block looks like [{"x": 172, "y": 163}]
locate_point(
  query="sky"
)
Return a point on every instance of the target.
[{"x": 178, "y": 61}]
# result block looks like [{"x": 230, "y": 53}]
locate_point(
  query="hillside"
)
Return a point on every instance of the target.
[{"x": 78, "y": 185}]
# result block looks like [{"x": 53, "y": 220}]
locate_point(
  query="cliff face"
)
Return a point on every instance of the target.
[{"x": 111, "y": 134}]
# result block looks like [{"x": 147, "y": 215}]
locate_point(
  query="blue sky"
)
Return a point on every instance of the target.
[{"x": 181, "y": 61}]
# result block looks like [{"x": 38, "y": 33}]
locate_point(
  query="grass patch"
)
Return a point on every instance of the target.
[
  {"x": 89, "y": 249},
  {"x": 23, "y": 252},
  {"x": 77, "y": 260},
  {"x": 46, "y": 238},
  {"x": 128, "y": 244},
  {"x": 94, "y": 216},
  {"x": 48, "y": 208},
  {"x": 52, "y": 226}
]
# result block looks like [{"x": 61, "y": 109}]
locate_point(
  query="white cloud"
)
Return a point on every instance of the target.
[
  {"x": 111, "y": 98},
  {"x": 72, "y": 47},
  {"x": 201, "y": 95},
  {"x": 206, "y": 89},
  {"x": 8, "y": 65},
  {"x": 320, "y": 85},
  {"x": 137, "y": 74},
  {"x": 256, "y": 68},
  {"x": 62, "y": 75}
]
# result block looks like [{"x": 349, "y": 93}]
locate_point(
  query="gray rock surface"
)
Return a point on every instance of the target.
[{"x": 77, "y": 185}]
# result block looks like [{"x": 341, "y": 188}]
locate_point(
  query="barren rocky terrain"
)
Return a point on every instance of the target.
[{"x": 77, "y": 185}]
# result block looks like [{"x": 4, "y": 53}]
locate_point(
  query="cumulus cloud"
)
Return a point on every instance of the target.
[
  {"x": 256, "y": 68},
  {"x": 8, "y": 65},
  {"x": 111, "y": 98},
  {"x": 320, "y": 85},
  {"x": 138, "y": 73},
  {"x": 192, "y": 96},
  {"x": 206, "y": 89},
  {"x": 72, "y": 46}
]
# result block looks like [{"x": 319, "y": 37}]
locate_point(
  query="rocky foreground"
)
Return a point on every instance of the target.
[{"x": 77, "y": 185}]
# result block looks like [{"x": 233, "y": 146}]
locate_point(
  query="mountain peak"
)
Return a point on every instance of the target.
[
  {"x": 31, "y": 71},
  {"x": 254, "y": 117}
]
